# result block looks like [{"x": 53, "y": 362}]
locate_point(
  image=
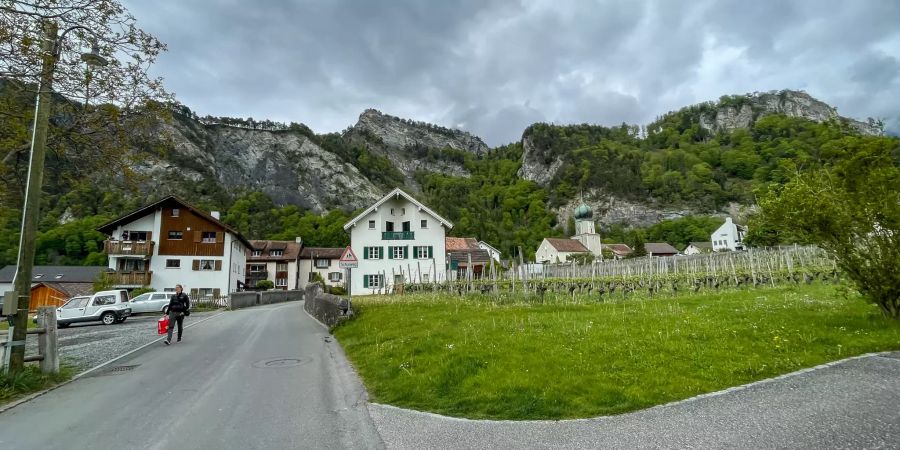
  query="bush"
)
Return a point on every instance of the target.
[
  {"x": 141, "y": 290},
  {"x": 265, "y": 285},
  {"x": 337, "y": 290}
]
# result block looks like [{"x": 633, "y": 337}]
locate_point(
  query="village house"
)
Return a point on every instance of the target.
[
  {"x": 619, "y": 251},
  {"x": 493, "y": 252},
  {"x": 467, "y": 259},
  {"x": 54, "y": 285},
  {"x": 660, "y": 249},
  {"x": 322, "y": 262},
  {"x": 559, "y": 250},
  {"x": 276, "y": 261},
  {"x": 728, "y": 237},
  {"x": 696, "y": 248},
  {"x": 171, "y": 242},
  {"x": 397, "y": 240}
]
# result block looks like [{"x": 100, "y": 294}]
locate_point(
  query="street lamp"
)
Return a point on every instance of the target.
[{"x": 30, "y": 211}]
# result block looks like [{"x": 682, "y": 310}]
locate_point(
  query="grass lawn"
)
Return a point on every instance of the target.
[
  {"x": 28, "y": 381},
  {"x": 477, "y": 358},
  {"x": 4, "y": 325}
]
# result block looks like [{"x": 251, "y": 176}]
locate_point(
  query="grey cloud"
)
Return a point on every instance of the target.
[{"x": 495, "y": 67}]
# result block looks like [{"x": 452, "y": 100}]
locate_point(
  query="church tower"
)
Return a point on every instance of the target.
[{"x": 585, "y": 231}]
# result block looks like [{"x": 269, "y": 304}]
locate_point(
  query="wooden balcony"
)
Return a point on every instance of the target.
[
  {"x": 128, "y": 248},
  {"x": 126, "y": 279},
  {"x": 398, "y": 235}
]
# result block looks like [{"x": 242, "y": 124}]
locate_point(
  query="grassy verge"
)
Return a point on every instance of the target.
[
  {"x": 479, "y": 358},
  {"x": 4, "y": 325},
  {"x": 13, "y": 387}
]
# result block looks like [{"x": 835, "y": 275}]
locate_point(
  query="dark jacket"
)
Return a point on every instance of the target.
[{"x": 179, "y": 303}]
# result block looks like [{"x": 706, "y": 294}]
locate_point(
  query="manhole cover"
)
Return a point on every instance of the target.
[
  {"x": 118, "y": 370},
  {"x": 278, "y": 363}
]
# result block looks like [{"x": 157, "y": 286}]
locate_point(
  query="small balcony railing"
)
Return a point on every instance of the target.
[
  {"x": 398, "y": 235},
  {"x": 134, "y": 278},
  {"x": 130, "y": 248}
]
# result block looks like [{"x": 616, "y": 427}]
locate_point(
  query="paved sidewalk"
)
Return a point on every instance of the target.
[{"x": 852, "y": 404}]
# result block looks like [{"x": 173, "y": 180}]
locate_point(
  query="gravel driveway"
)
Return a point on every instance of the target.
[{"x": 85, "y": 345}]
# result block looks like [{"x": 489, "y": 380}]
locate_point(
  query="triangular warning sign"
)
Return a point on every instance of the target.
[{"x": 348, "y": 255}]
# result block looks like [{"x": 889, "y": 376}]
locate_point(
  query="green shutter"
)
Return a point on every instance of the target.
[
  {"x": 381, "y": 280},
  {"x": 365, "y": 252},
  {"x": 405, "y": 252},
  {"x": 430, "y": 251},
  {"x": 390, "y": 252},
  {"x": 365, "y": 281},
  {"x": 380, "y": 252}
]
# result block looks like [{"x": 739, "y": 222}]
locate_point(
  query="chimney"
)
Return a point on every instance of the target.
[{"x": 215, "y": 215}]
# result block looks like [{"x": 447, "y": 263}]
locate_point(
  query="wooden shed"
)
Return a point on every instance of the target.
[{"x": 55, "y": 294}]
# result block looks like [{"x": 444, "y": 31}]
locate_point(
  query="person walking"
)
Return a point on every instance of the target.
[{"x": 179, "y": 305}]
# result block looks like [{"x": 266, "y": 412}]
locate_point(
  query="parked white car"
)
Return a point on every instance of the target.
[
  {"x": 151, "y": 302},
  {"x": 108, "y": 307}
]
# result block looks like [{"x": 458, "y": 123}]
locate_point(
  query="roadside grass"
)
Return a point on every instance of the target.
[
  {"x": 30, "y": 380},
  {"x": 478, "y": 357},
  {"x": 4, "y": 325}
]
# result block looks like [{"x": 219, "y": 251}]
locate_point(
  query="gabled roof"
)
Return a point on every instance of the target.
[
  {"x": 70, "y": 274},
  {"x": 660, "y": 248},
  {"x": 489, "y": 246},
  {"x": 397, "y": 193},
  {"x": 567, "y": 245},
  {"x": 619, "y": 249},
  {"x": 702, "y": 245},
  {"x": 457, "y": 243},
  {"x": 322, "y": 252},
  {"x": 108, "y": 228},
  {"x": 479, "y": 256},
  {"x": 291, "y": 250}
]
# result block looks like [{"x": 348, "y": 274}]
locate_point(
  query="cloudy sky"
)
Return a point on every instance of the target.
[{"x": 492, "y": 67}]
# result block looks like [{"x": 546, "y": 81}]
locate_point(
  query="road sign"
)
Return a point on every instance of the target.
[{"x": 348, "y": 259}]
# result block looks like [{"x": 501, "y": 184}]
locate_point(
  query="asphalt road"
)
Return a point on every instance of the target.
[
  {"x": 258, "y": 378},
  {"x": 853, "y": 404}
]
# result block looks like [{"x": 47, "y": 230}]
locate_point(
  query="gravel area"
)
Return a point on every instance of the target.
[{"x": 85, "y": 345}]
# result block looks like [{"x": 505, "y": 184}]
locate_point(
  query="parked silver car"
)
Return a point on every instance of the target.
[
  {"x": 151, "y": 302},
  {"x": 108, "y": 307}
]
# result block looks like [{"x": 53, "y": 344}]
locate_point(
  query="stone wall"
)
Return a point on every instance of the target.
[
  {"x": 326, "y": 308},
  {"x": 240, "y": 300}
]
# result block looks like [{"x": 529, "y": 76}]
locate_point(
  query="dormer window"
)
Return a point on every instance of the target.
[
  {"x": 59, "y": 275},
  {"x": 257, "y": 252},
  {"x": 276, "y": 253},
  {"x": 40, "y": 275}
]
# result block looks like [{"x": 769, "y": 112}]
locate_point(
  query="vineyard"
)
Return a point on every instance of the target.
[{"x": 648, "y": 276}]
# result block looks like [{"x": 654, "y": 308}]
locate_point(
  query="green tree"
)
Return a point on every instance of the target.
[
  {"x": 851, "y": 210},
  {"x": 265, "y": 285}
]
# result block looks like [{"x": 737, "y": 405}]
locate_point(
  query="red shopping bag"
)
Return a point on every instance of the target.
[{"x": 162, "y": 325}]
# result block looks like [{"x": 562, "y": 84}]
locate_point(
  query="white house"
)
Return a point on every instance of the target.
[
  {"x": 322, "y": 261},
  {"x": 729, "y": 236},
  {"x": 696, "y": 248},
  {"x": 495, "y": 254},
  {"x": 397, "y": 240},
  {"x": 276, "y": 261},
  {"x": 554, "y": 250},
  {"x": 171, "y": 242}
]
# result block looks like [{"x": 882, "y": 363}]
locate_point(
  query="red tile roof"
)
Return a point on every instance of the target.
[
  {"x": 291, "y": 250},
  {"x": 455, "y": 243},
  {"x": 619, "y": 249},
  {"x": 567, "y": 245}
]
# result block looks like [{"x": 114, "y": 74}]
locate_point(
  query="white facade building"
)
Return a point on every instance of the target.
[
  {"x": 729, "y": 236},
  {"x": 276, "y": 261},
  {"x": 322, "y": 261},
  {"x": 585, "y": 231},
  {"x": 397, "y": 240},
  {"x": 495, "y": 254},
  {"x": 559, "y": 250},
  {"x": 171, "y": 242}
]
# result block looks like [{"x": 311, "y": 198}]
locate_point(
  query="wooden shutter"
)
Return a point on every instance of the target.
[
  {"x": 149, "y": 235},
  {"x": 381, "y": 281},
  {"x": 195, "y": 292},
  {"x": 430, "y": 251},
  {"x": 365, "y": 281},
  {"x": 195, "y": 265},
  {"x": 198, "y": 236},
  {"x": 405, "y": 252},
  {"x": 365, "y": 252},
  {"x": 220, "y": 237},
  {"x": 216, "y": 292},
  {"x": 380, "y": 252},
  {"x": 218, "y": 264},
  {"x": 390, "y": 252}
]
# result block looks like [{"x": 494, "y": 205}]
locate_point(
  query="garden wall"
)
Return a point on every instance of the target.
[{"x": 326, "y": 308}]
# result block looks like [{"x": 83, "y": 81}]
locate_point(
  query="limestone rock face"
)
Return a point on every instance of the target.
[{"x": 535, "y": 167}]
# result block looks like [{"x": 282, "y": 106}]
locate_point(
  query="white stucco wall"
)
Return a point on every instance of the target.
[
  {"x": 307, "y": 265},
  {"x": 728, "y": 233},
  {"x": 433, "y": 235}
]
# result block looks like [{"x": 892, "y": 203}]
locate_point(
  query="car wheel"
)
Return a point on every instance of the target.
[{"x": 108, "y": 318}]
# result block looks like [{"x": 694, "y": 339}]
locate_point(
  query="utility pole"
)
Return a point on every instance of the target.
[{"x": 32, "y": 206}]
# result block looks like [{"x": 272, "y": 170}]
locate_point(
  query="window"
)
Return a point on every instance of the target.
[
  {"x": 141, "y": 298},
  {"x": 209, "y": 237},
  {"x": 374, "y": 252},
  {"x": 205, "y": 292},
  {"x": 323, "y": 263},
  {"x": 257, "y": 252},
  {"x": 423, "y": 252},
  {"x": 389, "y": 226},
  {"x": 104, "y": 300},
  {"x": 425, "y": 277},
  {"x": 175, "y": 235},
  {"x": 169, "y": 290},
  {"x": 176, "y": 212},
  {"x": 392, "y": 211},
  {"x": 398, "y": 252},
  {"x": 173, "y": 263},
  {"x": 334, "y": 277},
  {"x": 207, "y": 264},
  {"x": 281, "y": 282},
  {"x": 136, "y": 235},
  {"x": 276, "y": 252},
  {"x": 424, "y": 223},
  {"x": 281, "y": 267},
  {"x": 161, "y": 296},
  {"x": 257, "y": 268},
  {"x": 371, "y": 224},
  {"x": 372, "y": 281},
  {"x": 398, "y": 279},
  {"x": 402, "y": 211},
  {"x": 77, "y": 302}
]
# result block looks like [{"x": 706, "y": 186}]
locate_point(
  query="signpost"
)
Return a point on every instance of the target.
[{"x": 348, "y": 261}]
